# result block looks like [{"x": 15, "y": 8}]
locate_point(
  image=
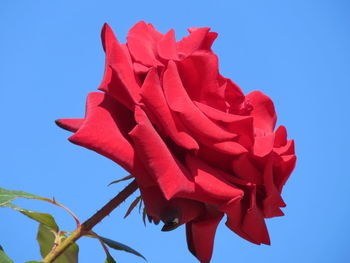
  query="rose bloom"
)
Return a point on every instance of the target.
[{"x": 197, "y": 146}]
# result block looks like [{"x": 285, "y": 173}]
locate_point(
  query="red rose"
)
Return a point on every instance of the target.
[{"x": 196, "y": 145}]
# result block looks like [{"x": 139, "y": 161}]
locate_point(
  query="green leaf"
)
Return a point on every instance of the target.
[
  {"x": 7, "y": 196},
  {"x": 120, "y": 246},
  {"x": 4, "y": 258},
  {"x": 46, "y": 238},
  {"x": 109, "y": 259},
  {"x": 42, "y": 218}
]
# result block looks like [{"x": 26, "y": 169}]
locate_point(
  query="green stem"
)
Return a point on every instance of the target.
[{"x": 87, "y": 226}]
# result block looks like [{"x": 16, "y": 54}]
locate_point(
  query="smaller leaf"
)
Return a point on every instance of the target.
[
  {"x": 9, "y": 195},
  {"x": 123, "y": 179},
  {"x": 120, "y": 246},
  {"x": 132, "y": 206},
  {"x": 110, "y": 259},
  {"x": 3, "y": 257},
  {"x": 46, "y": 238},
  {"x": 42, "y": 218}
]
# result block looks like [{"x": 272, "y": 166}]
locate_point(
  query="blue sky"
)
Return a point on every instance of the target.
[{"x": 297, "y": 52}]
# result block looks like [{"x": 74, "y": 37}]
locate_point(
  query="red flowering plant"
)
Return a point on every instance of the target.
[{"x": 197, "y": 147}]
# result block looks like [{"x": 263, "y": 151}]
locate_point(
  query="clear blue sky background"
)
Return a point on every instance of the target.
[{"x": 297, "y": 52}]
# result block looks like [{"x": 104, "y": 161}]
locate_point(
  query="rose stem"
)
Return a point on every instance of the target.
[{"x": 86, "y": 227}]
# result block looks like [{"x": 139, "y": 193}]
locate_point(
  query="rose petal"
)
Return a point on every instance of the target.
[
  {"x": 263, "y": 145},
  {"x": 280, "y": 137},
  {"x": 253, "y": 223},
  {"x": 158, "y": 160},
  {"x": 235, "y": 214},
  {"x": 246, "y": 222},
  {"x": 288, "y": 149},
  {"x": 140, "y": 69},
  {"x": 167, "y": 46},
  {"x": 241, "y": 125},
  {"x": 200, "y": 77},
  {"x": 70, "y": 124},
  {"x": 263, "y": 111},
  {"x": 211, "y": 185},
  {"x": 142, "y": 43},
  {"x": 207, "y": 41},
  {"x": 191, "y": 116},
  {"x": 273, "y": 200},
  {"x": 219, "y": 115},
  {"x": 215, "y": 158},
  {"x": 118, "y": 80},
  {"x": 283, "y": 170},
  {"x": 154, "y": 100},
  {"x": 200, "y": 236},
  {"x": 227, "y": 147},
  {"x": 104, "y": 131},
  {"x": 245, "y": 169},
  {"x": 154, "y": 200},
  {"x": 194, "y": 41},
  {"x": 254, "y": 226},
  {"x": 234, "y": 97}
]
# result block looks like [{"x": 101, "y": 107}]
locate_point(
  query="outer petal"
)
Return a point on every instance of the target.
[
  {"x": 273, "y": 200},
  {"x": 234, "y": 94},
  {"x": 281, "y": 145},
  {"x": 195, "y": 41},
  {"x": 236, "y": 99},
  {"x": 167, "y": 46},
  {"x": 200, "y": 236},
  {"x": 263, "y": 111},
  {"x": 211, "y": 185},
  {"x": 254, "y": 226},
  {"x": 287, "y": 149},
  {"x": 70, "y": 124},
  {"x": 247, "y": 222},
  {"x": 154, "y": 100},
  {"x": 119, "y": 80},
  {"x": 253, "y": 223},
  {"x": 172, "y": 178},
  {"x": 208, "y": 40},
  {"x": 280, "y": 137},
  {"x": 283, "y": 170},
  {"x": 142, "y": 43},
  {"x": 235, "y": 215},
  {"x": 104, "y": 130},
  {"x": 263, "y": 145},
  {"x": 191, "y": 116}
]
